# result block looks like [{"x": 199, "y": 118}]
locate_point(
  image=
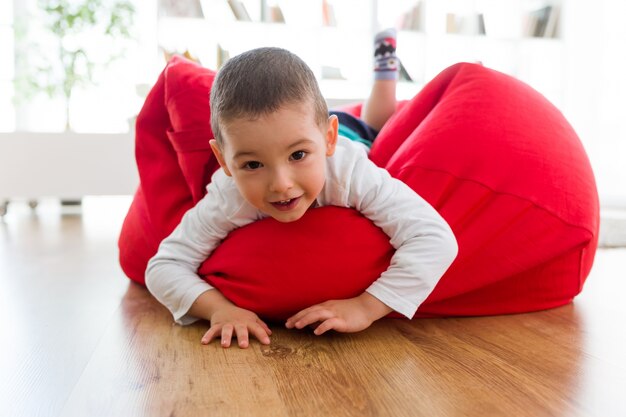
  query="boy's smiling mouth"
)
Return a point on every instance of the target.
[{"x": 286, "y": 205}]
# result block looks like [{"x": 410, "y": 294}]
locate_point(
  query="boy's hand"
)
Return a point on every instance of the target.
[
  {"x": 226, "y": 319},
  {"x": 229, "y": 320},
  {"x": 351, "y": 315}
]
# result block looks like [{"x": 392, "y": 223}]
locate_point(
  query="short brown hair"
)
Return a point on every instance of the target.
[{"x": 259, "y": 82}]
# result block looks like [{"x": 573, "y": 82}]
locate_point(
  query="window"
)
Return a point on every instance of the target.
[
  {"x": 112, "y": 70},
  {"x": 7, "y": 112}
]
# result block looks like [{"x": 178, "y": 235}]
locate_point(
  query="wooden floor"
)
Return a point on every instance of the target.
[{"x": 77, "y": 339}]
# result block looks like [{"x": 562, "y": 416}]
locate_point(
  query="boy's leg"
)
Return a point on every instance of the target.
[{"x": 381, "y": 103}]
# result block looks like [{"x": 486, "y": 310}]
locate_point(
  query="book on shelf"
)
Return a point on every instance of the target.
[
  {"x": 239, "y": 10},
  {"x": 473, "y": 24},
  {"x": 180, "y": 8},
  {"x": 332, "y": 73},
  {"x": 451, "y": 23},
  {"x": 169, "y": 54},
  {"x": 543, "y": 22},
  {"x": 271, "y": 13},
  {"x": 328, "y": 14},
  {"x": 404, "y": 74},
  {"x": 412, "y": 19},
  {"x": 552, "y": 25},
  {"x": 222, "y": 56},
  {"x": 276, "y": 14},
  {"x": 481, "y": 24}
]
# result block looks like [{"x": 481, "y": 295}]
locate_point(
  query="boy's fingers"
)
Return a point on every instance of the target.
[
  {"x": 227, "y": 335},
  {"x": 210, "y": 335},
  {"x": 258, "y": 328},
  {"x": 242, "y": 335},
  {"x": 291, "y": 321},
  {"x": 327, "y": 325},
  {"x": 314, "y": 325},
  {"x": 302, "y": 313},
  {"x": 260, "y": 333},
  {"x": 264, "y": 326},
  {"x": 313, "y": 317}
]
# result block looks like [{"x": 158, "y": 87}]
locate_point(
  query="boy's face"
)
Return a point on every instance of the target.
[{"x": 278, "y": 160}]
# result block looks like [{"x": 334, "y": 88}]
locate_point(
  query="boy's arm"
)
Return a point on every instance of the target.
[
  {"x": 424, "y": 242},
  {"x": 425, "y": 246},
  {"x": 207, "y": 303},
  {"x": 171, "y": 275}
]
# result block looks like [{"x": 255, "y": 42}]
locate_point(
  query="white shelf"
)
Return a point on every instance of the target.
[
  {"x": 346, "y": 91},
  {"x": 348, "y": 47}
]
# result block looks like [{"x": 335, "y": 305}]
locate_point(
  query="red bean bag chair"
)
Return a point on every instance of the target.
[{"x": 493, "y": 156}]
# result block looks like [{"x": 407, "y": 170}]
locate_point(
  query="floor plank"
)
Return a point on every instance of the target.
[
  {"x": 79, "y": 339},
  {"x": 59, "y": 287}
]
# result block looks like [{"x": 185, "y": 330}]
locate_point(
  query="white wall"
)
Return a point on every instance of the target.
[
  {"x": 595, "y": 99},
  {"x": 593, "y": 96}
]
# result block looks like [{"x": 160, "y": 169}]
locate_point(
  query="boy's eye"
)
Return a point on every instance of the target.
[
  {"x": 298, "y": 155},
  {"x": 252, "y": 165}
]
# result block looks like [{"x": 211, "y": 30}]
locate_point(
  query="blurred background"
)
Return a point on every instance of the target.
[{"x": 75, "y": 72}]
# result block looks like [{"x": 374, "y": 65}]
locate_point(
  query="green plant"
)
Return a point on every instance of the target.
[{"x": 79, "y": 29}]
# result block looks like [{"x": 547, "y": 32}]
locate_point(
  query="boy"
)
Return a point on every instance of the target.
[{"x": 280, "y": 155}]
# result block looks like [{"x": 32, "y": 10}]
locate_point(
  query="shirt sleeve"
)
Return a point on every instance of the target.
[
  {"x": 425, "y": 245},
  {"x": 171, "y": 275}
]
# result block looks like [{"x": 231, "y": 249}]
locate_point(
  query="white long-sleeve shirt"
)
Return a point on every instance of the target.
[{"x": 425, "y": 245}]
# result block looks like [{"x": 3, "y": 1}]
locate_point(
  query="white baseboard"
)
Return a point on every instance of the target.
[{"x": 612, "y": 228}]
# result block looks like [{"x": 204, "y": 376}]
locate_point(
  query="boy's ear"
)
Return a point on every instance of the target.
[
  {"x": 331, "y": 134},
  {"x": 220, "y": 157}
]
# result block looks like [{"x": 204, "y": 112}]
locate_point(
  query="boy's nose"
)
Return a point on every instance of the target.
[{"x": 281, "y": 181}]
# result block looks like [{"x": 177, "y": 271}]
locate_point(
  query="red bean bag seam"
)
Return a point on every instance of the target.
[
  {"x": 523, "y": 198},
  {"x": 545, "y": 305},
  {"x": 190, "y": 140}
]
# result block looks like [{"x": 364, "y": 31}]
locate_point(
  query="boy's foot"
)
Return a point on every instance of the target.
[{"x": 386, "y": 64}]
